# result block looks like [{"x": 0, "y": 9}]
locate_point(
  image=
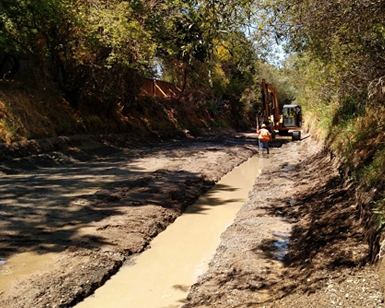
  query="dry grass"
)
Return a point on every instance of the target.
[
  {"x": 360, "y": 143},
  {"x": 26, "y": 113},
  {"x": 358, "y": 139},
  {"x": 310, "y": 124}
]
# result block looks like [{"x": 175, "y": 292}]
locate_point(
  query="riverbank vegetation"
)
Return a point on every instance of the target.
[{"x": 338, "y": 66}]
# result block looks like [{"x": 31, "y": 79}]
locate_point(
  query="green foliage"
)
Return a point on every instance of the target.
[
  {"x": 10, "y": 128},
  {"x": 381, "y": 215},
  {"x": 118, "y": 27},
  {"x": 338, "y": 70},
  {"x": 97, "y": 51},
  {"x": 282, "y": 80},
  {"x": 219, "y": 123}
]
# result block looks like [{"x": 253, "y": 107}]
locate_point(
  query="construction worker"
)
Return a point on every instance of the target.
[{"x": 264, "y": 137}]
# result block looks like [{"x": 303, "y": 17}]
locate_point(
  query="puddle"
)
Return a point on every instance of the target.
[
  {"x": 161, "y": 276},
  {"x": 264, "y": 161},
  {"x": 281, "y": 245},
  {"x": 288, "y": 168},
  {"x": 281, "y": 232},
  {"x": 21, "y": 266}
]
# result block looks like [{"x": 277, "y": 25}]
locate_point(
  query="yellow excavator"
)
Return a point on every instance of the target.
[{"x": 289, "y": 119}]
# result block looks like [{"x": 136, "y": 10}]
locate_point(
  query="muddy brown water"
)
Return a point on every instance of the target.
[
  {"x": 21, "y": 266},
  {"x": 162, "y": 275}
]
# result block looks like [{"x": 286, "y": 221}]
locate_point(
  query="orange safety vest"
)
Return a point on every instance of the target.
[{"x": 264, "y": 134}]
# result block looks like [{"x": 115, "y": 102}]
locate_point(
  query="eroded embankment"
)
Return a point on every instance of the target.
[
  {"x": 93, "y": 234},
  {"x": 302, "y": 205}
]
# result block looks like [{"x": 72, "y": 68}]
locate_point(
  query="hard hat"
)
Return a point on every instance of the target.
[{"x": 263, "y": 125}]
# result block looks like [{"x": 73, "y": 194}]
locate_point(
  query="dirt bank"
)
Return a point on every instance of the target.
[
  {"x": 298, "y": 241},
  {"x": 93, "y": 207}
]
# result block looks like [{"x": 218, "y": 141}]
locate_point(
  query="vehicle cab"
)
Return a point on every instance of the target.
[{"x": 291, "y": 116}]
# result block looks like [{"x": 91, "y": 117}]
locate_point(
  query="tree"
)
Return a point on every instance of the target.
[{"x": 97, "y": 51}]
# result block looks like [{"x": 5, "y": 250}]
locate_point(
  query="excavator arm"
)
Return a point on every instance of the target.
[{"x": 274, "y": 110}]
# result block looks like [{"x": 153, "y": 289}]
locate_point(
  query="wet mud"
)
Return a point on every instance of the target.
[
  {"x": 298, "y": 242},
  {"x": 300, "y": 239},
  {"x": 90, "y": 216}
]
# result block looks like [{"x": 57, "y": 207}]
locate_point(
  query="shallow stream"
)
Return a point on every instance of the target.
[{"x": 161, "y": 276}]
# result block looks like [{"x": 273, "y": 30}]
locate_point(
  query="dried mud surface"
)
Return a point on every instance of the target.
[
  {"x": 297, "y": 242},
  {"x": 98, "y": 205}
]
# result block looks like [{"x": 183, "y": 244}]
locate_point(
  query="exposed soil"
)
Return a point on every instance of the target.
[
  {"x": 98, "y": 205},
  {"x": 298, "y": 241}
]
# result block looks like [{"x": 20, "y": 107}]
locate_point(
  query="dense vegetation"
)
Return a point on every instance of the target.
[
  {"x": 95, "y": 54},
  {"x": 338, "y": 65}
]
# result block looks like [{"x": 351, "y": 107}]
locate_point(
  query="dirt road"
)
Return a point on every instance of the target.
[{"x": 84, "y": 211}]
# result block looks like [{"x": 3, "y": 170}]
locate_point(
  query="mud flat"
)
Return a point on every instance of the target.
[
  {"x": 298, "y": 241},
  {"x": 80, "y": 214}
]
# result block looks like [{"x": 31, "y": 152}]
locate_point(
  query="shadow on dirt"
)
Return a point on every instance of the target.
[
  {"x": 38, "y": 219},
  {"x": 47, "y": 207},
  {"x": 326, "y": 233}
]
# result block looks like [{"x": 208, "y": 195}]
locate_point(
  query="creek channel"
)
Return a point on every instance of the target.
[{"x": 162, "y": 275}]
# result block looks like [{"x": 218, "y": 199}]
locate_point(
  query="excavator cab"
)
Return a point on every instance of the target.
[{"x": 292, "y": 116}]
